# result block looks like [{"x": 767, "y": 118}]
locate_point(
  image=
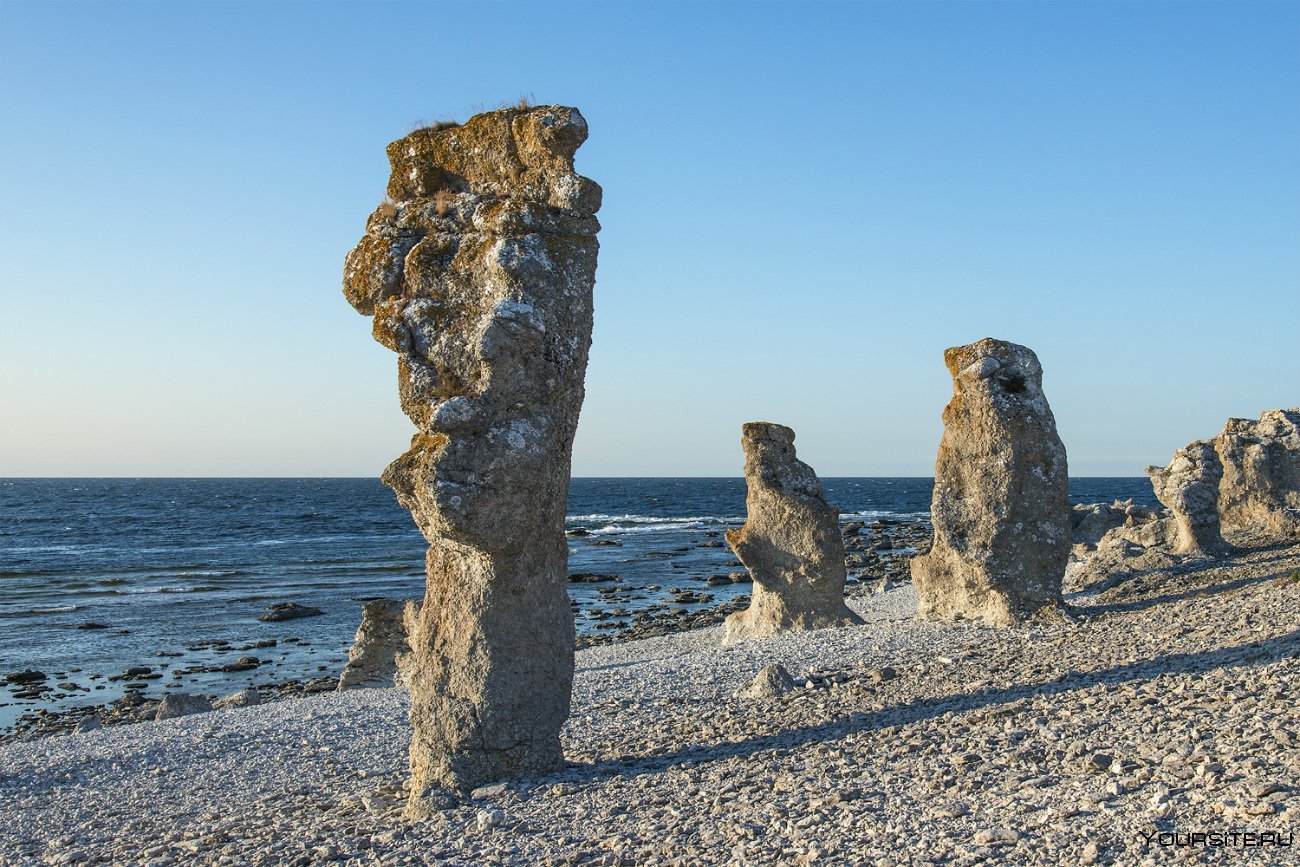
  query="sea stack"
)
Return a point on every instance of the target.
[
  {"x": 790, "y": 542},
  {"x": 1189, "y": 487},
  {"x": 1260, "y": 489},
  {"x": 478, "y": 272},
  {"x": 1001, "y": 509},
  {"x": 380, "y": 640}
]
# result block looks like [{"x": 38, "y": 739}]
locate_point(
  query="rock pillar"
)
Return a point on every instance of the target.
[
  {"x": 1001, "y": 508},
  {"x": 478, "y": 272},
  {"x": 1189, "y": 487},
  {"x": 790, "y": 543}
]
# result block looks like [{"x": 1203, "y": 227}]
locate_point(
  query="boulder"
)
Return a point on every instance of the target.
[
  {"x": 479, "y": 274},
  {"x": 179, "y": 704},
  {"x": 243, "y": 698},
  {"x": 1260, "y": 488},
  {"x": 372, "y": 660},
  {"x": 790, "y": 543},
  {"x": 1000, "y": 509},
  {"x": 1090, "y": 521},
  {"x": 772, "y": 682},
  {"x": 1189, "y": 487},
  {"x": 288, "y": 611}
]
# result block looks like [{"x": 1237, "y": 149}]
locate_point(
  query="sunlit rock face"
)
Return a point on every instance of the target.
[
  {"x": 790, "y": 543},
  {"x": 1001, "y": 508},
  {"x": 1189, "y": 487},
  {"x": 1260, "y": 488},
  {"x": 479, "y": 275},
  {"x": 380, "y": 640}
]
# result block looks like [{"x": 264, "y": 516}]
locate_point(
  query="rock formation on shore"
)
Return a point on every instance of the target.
[
  {"x": 1189, "y": 487},
  {"x": 479, "y": 275},
  {"x": 380, "y": 639},
  {"x": 1260, "y": 488},
  {"x": 790, "y": 542},
  {"x": 1001, "y": 508}
]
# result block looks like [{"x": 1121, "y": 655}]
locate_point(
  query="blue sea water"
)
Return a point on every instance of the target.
[{"x": 166, "y": 564}]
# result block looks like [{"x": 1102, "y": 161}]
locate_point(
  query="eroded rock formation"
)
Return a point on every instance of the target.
[
  {"x": 1260, "y": 488},
  {"x": 380, "y": 639},
  {"x": 790, "y": 542},
  {"x": 479, "y": 275},
  {"x": 1001, "y": 508},
  {"x": 1189, "y": 487}
]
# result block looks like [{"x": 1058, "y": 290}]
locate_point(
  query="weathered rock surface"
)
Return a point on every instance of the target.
[
  {"x": 243, "y": 698},
  {"x": 179, "y": 704},
  {"x": 772, "y": 682},
  {"x": 1260, "y": 488},
  {"x": 1189, "y": 487},
  {"x": 790, "y": 542},
  {"x": 1001, "y": 509},
  {"x": 479, "y": 275},
  {"x": 381, "y": 637}
]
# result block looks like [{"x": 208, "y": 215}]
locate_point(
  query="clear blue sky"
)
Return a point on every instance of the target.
[{"x": 804, "y": 205}]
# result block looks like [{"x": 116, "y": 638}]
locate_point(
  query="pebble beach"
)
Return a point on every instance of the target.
[{"x": 1161, "y": 709}]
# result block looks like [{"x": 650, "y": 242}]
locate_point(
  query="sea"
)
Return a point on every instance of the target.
[{"x": 175, "y": 572}]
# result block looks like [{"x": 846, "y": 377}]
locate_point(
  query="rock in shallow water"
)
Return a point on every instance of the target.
[{"x": 288, "y": 611}]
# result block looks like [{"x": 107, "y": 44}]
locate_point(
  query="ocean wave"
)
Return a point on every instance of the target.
[
  {"x": 53, "y": 609},
  {"x": 145, "y": 590},
  {"x": 615, "y": 530},
  {"x": 651, "y": 519},
  {"x": 210, "y": 573}
]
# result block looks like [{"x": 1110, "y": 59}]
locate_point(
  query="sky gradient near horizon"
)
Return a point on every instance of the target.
[{"x": 804, "y": 205}]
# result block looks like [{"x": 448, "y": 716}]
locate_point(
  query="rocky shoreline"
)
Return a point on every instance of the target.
[
  {"x": 877, "y": 555},
  {"x": 1161, "y": 708}
]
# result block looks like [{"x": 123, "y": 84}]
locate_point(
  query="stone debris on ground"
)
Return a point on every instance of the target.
[{"x": 1165, "y": 704}]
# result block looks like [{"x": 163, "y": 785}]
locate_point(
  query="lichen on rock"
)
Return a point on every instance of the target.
[
  {"x": 790, "y": 542},
  {"x": 1000, "y": 509},
  {"x": 479, "y": 275}
]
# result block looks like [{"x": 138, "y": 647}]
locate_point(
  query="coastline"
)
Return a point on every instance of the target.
[
  {"x": 876, "y": 550},
  {"x": 1165, "y": 705}
]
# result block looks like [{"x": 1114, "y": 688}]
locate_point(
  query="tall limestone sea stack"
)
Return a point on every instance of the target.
[
  {"x": 479, "y": 275},
  {"x": 790, "y": 542},
  {"x": 1001, "y": 508}
]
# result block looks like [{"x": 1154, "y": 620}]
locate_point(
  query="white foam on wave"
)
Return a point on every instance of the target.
[
  {"x": 615, "y": 530},
  {"x": 683, "y": 520}
]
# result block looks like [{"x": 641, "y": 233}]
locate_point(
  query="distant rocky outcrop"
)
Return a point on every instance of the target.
[
  {"x": 790, "y": 542},
  {"x": 1260, "y": 488},
  {"x": 479, "y": 275},
  {"x": 381, "y": 637},
  {"x": 1189, "y": 487},
  {"x": 1001, "y": 512}
]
